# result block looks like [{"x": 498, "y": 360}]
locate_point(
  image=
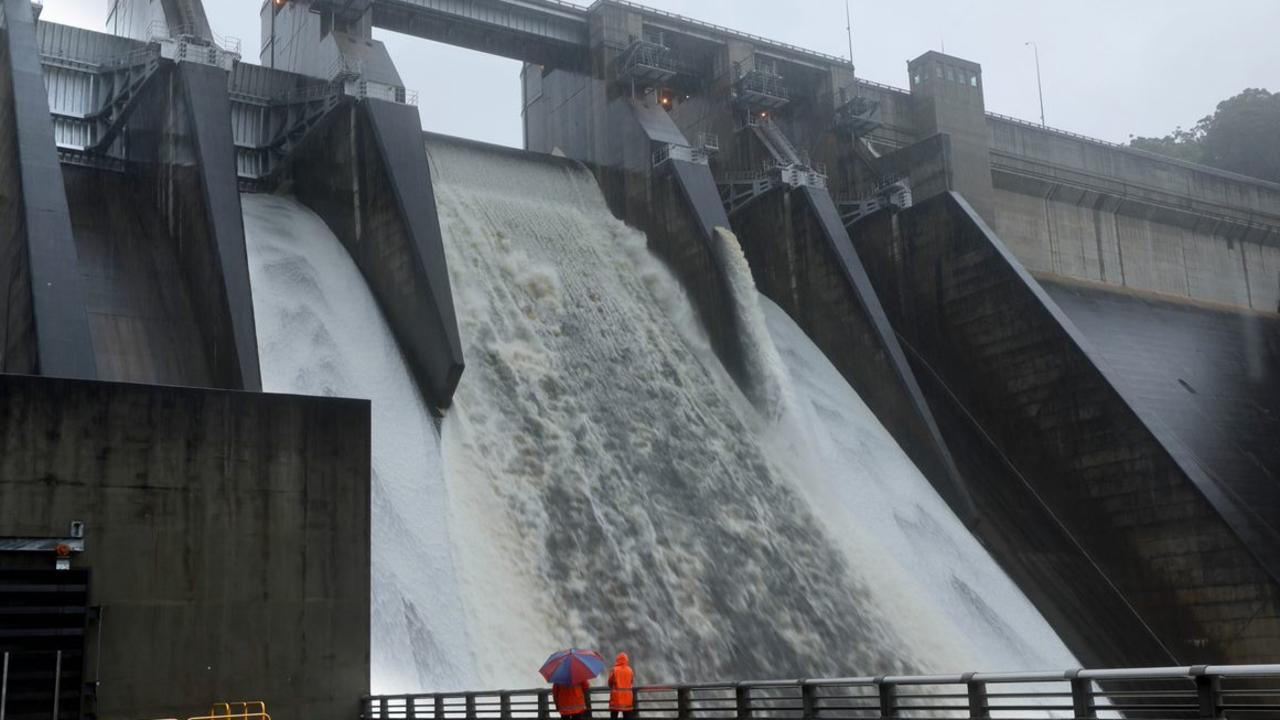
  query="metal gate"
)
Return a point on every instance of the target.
[{"x": 43, "y": 614}]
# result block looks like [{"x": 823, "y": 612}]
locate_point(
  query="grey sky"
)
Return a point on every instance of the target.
[{"x": 1111, "y": 67}]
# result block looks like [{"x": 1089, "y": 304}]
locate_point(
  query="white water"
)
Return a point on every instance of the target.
[
  {"x": 320, "y": 333},
  {"x": 601, "y": 481}
]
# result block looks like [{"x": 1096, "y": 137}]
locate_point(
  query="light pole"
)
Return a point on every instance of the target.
[
  {"x": 1039, "y": 84},
  {"x": 848, "y": 28}
]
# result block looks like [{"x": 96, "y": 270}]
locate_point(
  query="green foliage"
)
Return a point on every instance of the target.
[
  {"x": 1182, "y": 144},
  {"x": 1242, "y": 135}
]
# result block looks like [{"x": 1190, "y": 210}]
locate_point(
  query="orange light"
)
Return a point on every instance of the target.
[{"x": 63, "y": 550}]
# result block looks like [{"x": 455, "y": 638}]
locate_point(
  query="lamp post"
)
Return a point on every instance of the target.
[
  {"x": 848, "y": 28},
  {"x": 1039, "y": 84}
]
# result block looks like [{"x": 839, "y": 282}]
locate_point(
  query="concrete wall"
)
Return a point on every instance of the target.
[
  {"x": 1027, "y": 378},
  {"x": 1208, "y": 376},
  {"x": 1139, "y": 171},
  {"x": 820, "y": 282},
  {"x": 1087, "y": 236},
  {"x": 142, "y": 318},
  {"x": 18, "y": 344},
  {"x": 181, "y": 153},
  {"x": 947, "y": 97},
  {"x": 1087, "y": 210},
  {"x": 227, "y": 538},
  {"x": 44, "y": 325},
  {"x": 365, "y": 171}
]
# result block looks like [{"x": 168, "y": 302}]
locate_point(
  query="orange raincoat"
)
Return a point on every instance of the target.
[
  {"x": 571, "y": 700},
  {"x": 621, "y": 682}
]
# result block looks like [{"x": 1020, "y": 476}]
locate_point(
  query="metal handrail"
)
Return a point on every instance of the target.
[
  {"x": 160, "y": 30},
  {"x": 712, "y": 26},
  {"x": 1206, "y": 692},
  {"x": 813, "y": 54}
]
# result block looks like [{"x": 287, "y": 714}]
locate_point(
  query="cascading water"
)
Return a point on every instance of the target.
[
  {"x": 651, "y": 507},
  {"x": 320, "y": 333},
  {"x": 601, "y": 481}
]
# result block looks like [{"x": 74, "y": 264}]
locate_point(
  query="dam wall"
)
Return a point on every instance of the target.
[
  {"x": 1085, "y": 210},
  {"x": 144, "y": 323},
  {"x": 675, "y": 202},
  {"x": 226, "y": 534},
  {"x": 180, "y": 148},
  {"x": 1080, "y": 208},
  {"x": 132, "y": 127},
  {"x": 45, "y": 328},
  {"x": 364, "y": 170},
  {"x": 595, "y": 120},
  {"x": 810, "y": 269},
  {"x": 1194, "y": 559}
]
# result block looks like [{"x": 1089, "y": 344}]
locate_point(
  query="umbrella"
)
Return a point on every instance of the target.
[{"x": 571, "y": 667}]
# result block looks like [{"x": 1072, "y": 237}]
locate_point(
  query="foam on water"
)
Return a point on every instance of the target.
[
  {"x": 601, "y": 481},
  {"x": 658, "y": 511}
]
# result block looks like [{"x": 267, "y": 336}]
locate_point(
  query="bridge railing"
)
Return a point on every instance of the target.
[{"x": 1174, "y": 693}]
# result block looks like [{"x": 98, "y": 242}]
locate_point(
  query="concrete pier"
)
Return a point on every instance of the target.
[
  {"x": 1183, "y": 540},
  {"x": 45, "y": 328}
]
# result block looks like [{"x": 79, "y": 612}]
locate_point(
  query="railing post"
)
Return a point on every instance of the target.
[
  {"x": 471, "y": 706},
  {"x": 1082, "y": 703},
  {"x": 4, "y": 686},
  {"x": 504, "y": 705},
  {"x": 808, "y": 700},
  {"x": 438, "y": 707},
  {"x": 979, "y": 703},
  {"x": 410, "y": 707},
  {"x": 1207, "y": 687},
  {"x": 742, "y": 701},
  {"x": 382, "y": 708},
  {"x": 682, "y": 703},
  {"x": 57, "y": 683},
  {"x": 544, "y": 706},
  {"x": 888, "y": 698}
]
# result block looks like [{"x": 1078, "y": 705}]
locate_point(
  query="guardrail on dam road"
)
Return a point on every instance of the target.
[{"x": 1172, "y": 693}]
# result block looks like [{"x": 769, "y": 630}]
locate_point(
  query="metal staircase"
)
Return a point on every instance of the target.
[
  {"x": 786, "y": 167},
  {"x": 777, "y": 143}
]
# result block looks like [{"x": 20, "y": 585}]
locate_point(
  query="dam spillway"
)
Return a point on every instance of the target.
[
  {"x": 746, "y": 365},
  {"x": 568, "y": 501}
]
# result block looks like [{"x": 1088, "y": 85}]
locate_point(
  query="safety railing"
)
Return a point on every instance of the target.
[
  {"x": 160, "y": 30},
  {"x": 250, "y": 710},
  {"x": 1175, "y": 693}
]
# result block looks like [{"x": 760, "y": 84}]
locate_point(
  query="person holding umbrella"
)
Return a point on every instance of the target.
[{"x": 570, "y": 673}]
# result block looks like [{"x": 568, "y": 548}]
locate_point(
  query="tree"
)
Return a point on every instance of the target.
[
  {"x": 1242, "y": 135},
  {"x": 1182, "y": 144}
]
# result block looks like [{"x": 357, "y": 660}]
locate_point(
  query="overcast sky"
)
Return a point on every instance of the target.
[{"x": 1111, "y": 68}]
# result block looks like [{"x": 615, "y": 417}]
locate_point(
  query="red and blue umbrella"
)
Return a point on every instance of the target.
[{"x": 571, "y": 667}]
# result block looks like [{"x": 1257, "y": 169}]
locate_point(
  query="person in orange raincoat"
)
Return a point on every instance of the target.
[
  {"x": 622, "y": 697},
  {"x": 572, "y": 700}
]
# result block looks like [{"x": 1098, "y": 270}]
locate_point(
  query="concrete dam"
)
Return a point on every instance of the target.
[{"x": 744, "y": 364}]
